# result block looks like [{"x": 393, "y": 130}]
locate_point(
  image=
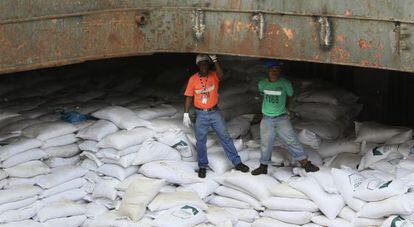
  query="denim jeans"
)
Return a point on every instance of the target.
[
  {"x": 279, "y": 126},
  {"x": 213, "y": 118}
]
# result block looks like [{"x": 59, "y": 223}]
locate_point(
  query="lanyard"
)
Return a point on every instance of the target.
[{"x": 202, "y": 83}]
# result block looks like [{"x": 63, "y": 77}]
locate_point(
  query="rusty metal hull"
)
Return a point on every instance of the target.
[{"x": 46, "y": 33}]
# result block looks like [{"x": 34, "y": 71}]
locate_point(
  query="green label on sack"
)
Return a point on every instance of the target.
[
  {"x": 376, "y": 151},
  {"x": 193, "y": 210},
  {"x": 385, "y": 185},
  {"x": 400, "y": 222}
]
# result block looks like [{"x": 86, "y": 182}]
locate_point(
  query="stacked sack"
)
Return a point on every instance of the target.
[
  {"x": 324, "y": 112},
  {"x": 109, "y": 148},
  {"x": 41, "y": 169}
]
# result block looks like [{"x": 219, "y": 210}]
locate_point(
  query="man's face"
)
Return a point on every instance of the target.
[
  {"x": 274, "y": 73},
  {"x": 203, "y": 67}
]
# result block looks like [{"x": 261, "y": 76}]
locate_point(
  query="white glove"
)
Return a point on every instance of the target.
[
  {"x": 187, "y": 120},
  {"x": 213, "y": 57}
]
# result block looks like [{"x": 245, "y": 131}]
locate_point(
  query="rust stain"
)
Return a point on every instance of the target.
[
  {"x": 365, "y": 63},
  {"x": 363, "y": 44},
  {"x": 340, "y": 55},
  {"x": 239, "y": 26},
  {"x": 347, "y": 13},
  {"x": 228, "y": 26},
  {"x": 340, "y": 38},
  {"x": 288, "y": 32},
  {"x": 21, "y": 46},
  {"x": 377, "y": 55}
]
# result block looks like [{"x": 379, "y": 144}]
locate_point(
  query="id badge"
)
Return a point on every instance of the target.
[{"x": 204, "y": 99}]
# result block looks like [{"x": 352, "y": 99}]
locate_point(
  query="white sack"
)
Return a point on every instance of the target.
[
  {"x": 47, "y": 130},
  {"x": 373, "y": 132},
  {"x": 284, "y": 190},
  {"x": 202, "y": 189},
  {"x": 21, "y": 214},
  {"x": 218, "y": 215},
  {"x": 374, "y": 154},
  {"x": 167, "y": 200},
  {"x": 374, "y": 189},
  {"x": 59, "y": 210},
  {"x": 344, "y": 159},
  {"x": 178, "y": 140},
  {"x": 26, "y": 223},
  {"x": 72, "y": 184},
  {"x": 65, "y": 151},
  {"x": 219, "y": 162},
  {"x": 117, "y": 171},
  {"x": 174, "y": 172},
  {"x": 320, "y": 111},
  {"x": 21, "y": 145},
  {"x": 329, "y": 95},
  {"x": 325, "y": 129},
  {"x": 309, "y": 138},
  {"x": 3, "y": 174},
  {"x": 97, "y": 130},
  {"x": 56, "y": 162},
  {"x": 330, "y": 148},
  {"x": 325, "y": 180},
  {"x": 89, "y": 145},
  {"x": 290, "y": 204},
  {"x": 182, "y": 216},
  {"x": 91, "y": 156},
  {"x": 77, "y": 220},
  {"x": 283, "y": 174},
  {"x": 111, "y": 218},
  {"x": 138, "y": 195},
  {"x": 61, "y": 175},
  {"x": 292, "y": 217},
  {"x": 106, "y": 189},
  {"x": 239, "y": 126},
  {"x": 347, "y": 181},
  {"x": 126, "y": 138},
  {"x": 124, "y": 161},
  {"x": 257, "y": 186},
  {"x": 16, "y": 181},
  {"x": 17, "y": 204},
  {"x": 71, "y": 195},
  {"x": 123, "y": 185},
  {"x": 222, "y": 201},
  {"x": 329, "y": 204},
  {"x": 60, "y": 141},
  {"x": 29, "y": 155},
  {"x": 401, "y": 204},
  {"x": 122, "y": 117},
  {"x": 28, "y": 169},
  {"x": 238, "y": 195},
  {"x": 162, "y": 110},
  {"x": 154, "y": 151},
  {"x": 247, "y": 215},
  {"x": 93, "y": 210}
]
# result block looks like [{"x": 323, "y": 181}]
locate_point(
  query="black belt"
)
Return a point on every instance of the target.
[{"x": 206, "y": 110}]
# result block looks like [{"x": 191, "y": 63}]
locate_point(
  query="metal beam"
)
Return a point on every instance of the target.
[{"x": 46, "y": 33}]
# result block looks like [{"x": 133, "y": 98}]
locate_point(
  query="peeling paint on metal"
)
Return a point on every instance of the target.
[
  {"x": 363, "y": 44},
  {"x": 347, "y": 13},
  {"x": 340, "y": 38},
  {"x": 74, "y": 31},
  {"x": 288, "y": 32}
]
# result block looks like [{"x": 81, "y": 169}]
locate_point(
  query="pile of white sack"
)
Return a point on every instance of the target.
[{"x": 135, "y": 163}]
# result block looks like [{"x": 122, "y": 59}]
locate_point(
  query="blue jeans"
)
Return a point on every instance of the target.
[
  {"x": 203, "y": 122},
  {"x": 279, "y": 126}
]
